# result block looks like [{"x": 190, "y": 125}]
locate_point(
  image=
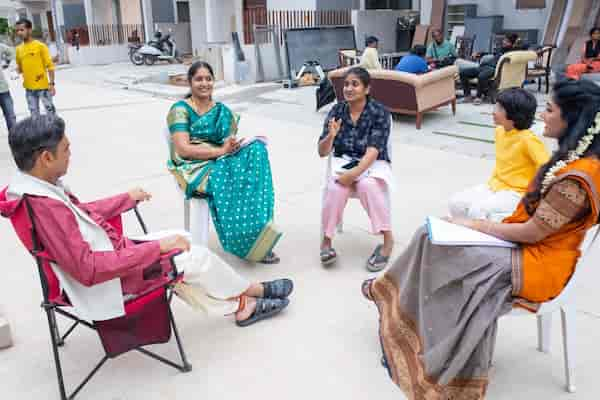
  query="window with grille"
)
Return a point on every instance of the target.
[
  {"x": 388, "y": 4},
  {"x": 526, "y": 4}
]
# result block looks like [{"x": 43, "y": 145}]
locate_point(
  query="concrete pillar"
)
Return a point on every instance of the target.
[
  {"x": 212, "y": 20},
  {"x": 89, "y": 12},
  {"x": 425, "y": 12},
  {"x": 5, "y": 336},
  {"x": 59, "y": 14},
  {"x": 363, "y": 5},
  {"x": 147, "y": 19}
]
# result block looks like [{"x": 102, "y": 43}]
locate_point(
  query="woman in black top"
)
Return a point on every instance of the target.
[
  {"x": 590, "y": 61},
  {"x": 357, "y": 132}
]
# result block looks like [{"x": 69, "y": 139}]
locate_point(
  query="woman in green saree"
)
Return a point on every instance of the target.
[{"x": 207, "y": 159}]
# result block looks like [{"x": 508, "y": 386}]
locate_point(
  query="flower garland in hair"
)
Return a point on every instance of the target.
[{"x": 573, "y": 155}]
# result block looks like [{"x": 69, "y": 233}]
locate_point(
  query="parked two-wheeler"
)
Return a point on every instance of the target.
[{"x": 160, "y": 48}]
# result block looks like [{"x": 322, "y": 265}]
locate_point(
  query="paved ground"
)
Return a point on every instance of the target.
[{"x": 325, "y": 345}]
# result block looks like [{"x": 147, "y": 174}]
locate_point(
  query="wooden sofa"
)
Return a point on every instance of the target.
[{"x": 405, "y": 93}]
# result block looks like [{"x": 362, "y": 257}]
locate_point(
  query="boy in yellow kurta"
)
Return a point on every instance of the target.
[
  {"x": 519, "y": 154},
  {"x": 34, "y": 62}
]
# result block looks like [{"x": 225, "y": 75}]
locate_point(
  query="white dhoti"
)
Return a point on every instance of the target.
[
  {"x": 211, "y": 284},
  {"x": 480, "y": 202}
]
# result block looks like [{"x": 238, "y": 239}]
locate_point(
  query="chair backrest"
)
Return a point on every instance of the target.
[
  {"x": 567, "y": 292},
  {"x": 347, "y": 57},
  {"x": 511, "y": 70},
  {"x": 420, "y": 37},
  {"x": 464, "y": 46},
  {"x": 23, "y": 221},
  {"x": 457, "y": 31},
  {"x": 496, "y": 42}
]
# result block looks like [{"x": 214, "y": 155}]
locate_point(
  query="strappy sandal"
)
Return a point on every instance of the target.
[
  {"x": 271, "y": 258},
  {"x": 377, "y": 262},
  {"x": 366, "y": 289},
  {"x": 278, "y": 289},
  {"x": 265, "y": 308},
  {"x": 328, "y": 256}
]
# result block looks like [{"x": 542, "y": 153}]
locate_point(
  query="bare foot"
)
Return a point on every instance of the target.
[
  {"x": 255, "y": 290},
  {"x": 326, "y": 243},
  {"x": 247, "y": 311}
]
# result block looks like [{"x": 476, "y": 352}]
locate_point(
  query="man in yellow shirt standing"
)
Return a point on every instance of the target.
[
  {"x": 34, "y": 62},
  {"x": 519, "y": 155}
]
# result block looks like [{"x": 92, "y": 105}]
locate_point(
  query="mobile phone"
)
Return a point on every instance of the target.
[{"x": 350, "y": 165}]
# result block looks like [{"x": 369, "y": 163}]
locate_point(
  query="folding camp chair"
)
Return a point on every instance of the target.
[{"x": 118, "y": 335}]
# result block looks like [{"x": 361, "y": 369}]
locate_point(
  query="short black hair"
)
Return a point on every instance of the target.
[
  {"x": 520, "y": 106},
  {"x": 371, "y": 40},
  {"x": 419, "y": 50},
  {"x": 29, "y": 137},
  {"x": 24, "y": 21},
  {"x": 594, "y": 29},
  {"x": 512, "y": 37},
  {"x": 361, "y": 73}
]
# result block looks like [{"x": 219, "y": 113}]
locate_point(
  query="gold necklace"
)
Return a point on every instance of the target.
[{"x": 197, "y": 108}]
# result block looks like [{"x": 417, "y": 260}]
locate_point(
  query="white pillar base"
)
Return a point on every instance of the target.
[{"x": 5, "y": 336}]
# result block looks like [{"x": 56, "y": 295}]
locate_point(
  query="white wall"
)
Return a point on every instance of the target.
[
  {"x": 198, "y": 24},
  {"x": 292, "y": 4},
  {"x": 379, "y": 23},
  {"x": 513, "y": 18},
  {"x": 131, "y": 12},
  {"x": 97, "y": 55},
  {"x": 102, "y": 10}
]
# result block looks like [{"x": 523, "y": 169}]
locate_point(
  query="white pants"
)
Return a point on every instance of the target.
[
  {"x": 211, "y": 284},
  {"x": 480, "y": 202}
]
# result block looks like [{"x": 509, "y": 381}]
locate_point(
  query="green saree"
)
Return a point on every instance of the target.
[{"x": 239, "y": 186}]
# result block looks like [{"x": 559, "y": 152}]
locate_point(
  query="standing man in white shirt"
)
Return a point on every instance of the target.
[{"x": 7, "y": 54}]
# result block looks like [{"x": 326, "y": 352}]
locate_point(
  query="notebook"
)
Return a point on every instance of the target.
[{"x": 444, "y": 233}]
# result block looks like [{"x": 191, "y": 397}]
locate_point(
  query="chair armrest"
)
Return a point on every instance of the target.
[{"x": 436, "y": 76}]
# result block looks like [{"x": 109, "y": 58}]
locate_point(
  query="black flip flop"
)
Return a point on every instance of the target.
[
  {"x": 270, "y": 258},
  {"x": 278, "y": 289},
  {"x": 265, "y": 308}
]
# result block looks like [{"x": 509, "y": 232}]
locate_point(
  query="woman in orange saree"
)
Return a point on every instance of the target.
[{"x": 439, "y": 305}]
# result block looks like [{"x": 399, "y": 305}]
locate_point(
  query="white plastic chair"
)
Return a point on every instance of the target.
[
  {"x": 565, "y": 303},
  {"x": 195, "y": 209},
  {"x": 328, "y": 175}
]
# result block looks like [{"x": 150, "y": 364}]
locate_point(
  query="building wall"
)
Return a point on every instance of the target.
[
  {"x": 163, "y": 11},
  {"x": 131, "y": 12},
  {"x": 103, "y": 12},
  {"x": 74, "y": 13},
  {"x": 513, "y": 18},
  {"x": 292, "y": 4},
  {"x": 338, "y": 4},
  {"x": 198, "y": 24},
  {"x": 379, "y": 23}
]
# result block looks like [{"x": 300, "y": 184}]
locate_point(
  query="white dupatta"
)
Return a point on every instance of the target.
[{"x": 94, "y": 303}]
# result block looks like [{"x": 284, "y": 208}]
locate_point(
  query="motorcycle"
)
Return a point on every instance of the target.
[{"x": 161, "y": 48}]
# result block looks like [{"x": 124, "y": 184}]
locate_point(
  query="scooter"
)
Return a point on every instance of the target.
[{"x": 161, "y": 48}]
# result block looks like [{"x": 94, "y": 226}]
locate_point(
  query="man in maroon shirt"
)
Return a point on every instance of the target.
[{"x": 90, "y": 251}]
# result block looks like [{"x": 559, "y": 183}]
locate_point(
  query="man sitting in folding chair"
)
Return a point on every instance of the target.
[{"x": 89, "y": 252}]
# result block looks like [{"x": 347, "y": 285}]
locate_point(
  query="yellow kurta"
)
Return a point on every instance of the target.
[{"x": 519, "y": 155}]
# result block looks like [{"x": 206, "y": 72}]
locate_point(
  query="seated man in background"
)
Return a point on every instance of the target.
[
  {"x": 440, "y": 52},
  {"x": 519, "y": 154},
  {"x": 414, "y": 62},
  {"x": 485, "y": 71},
  {"x": 370, "y": 56},
  {"x": 88, "y": 251}
]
